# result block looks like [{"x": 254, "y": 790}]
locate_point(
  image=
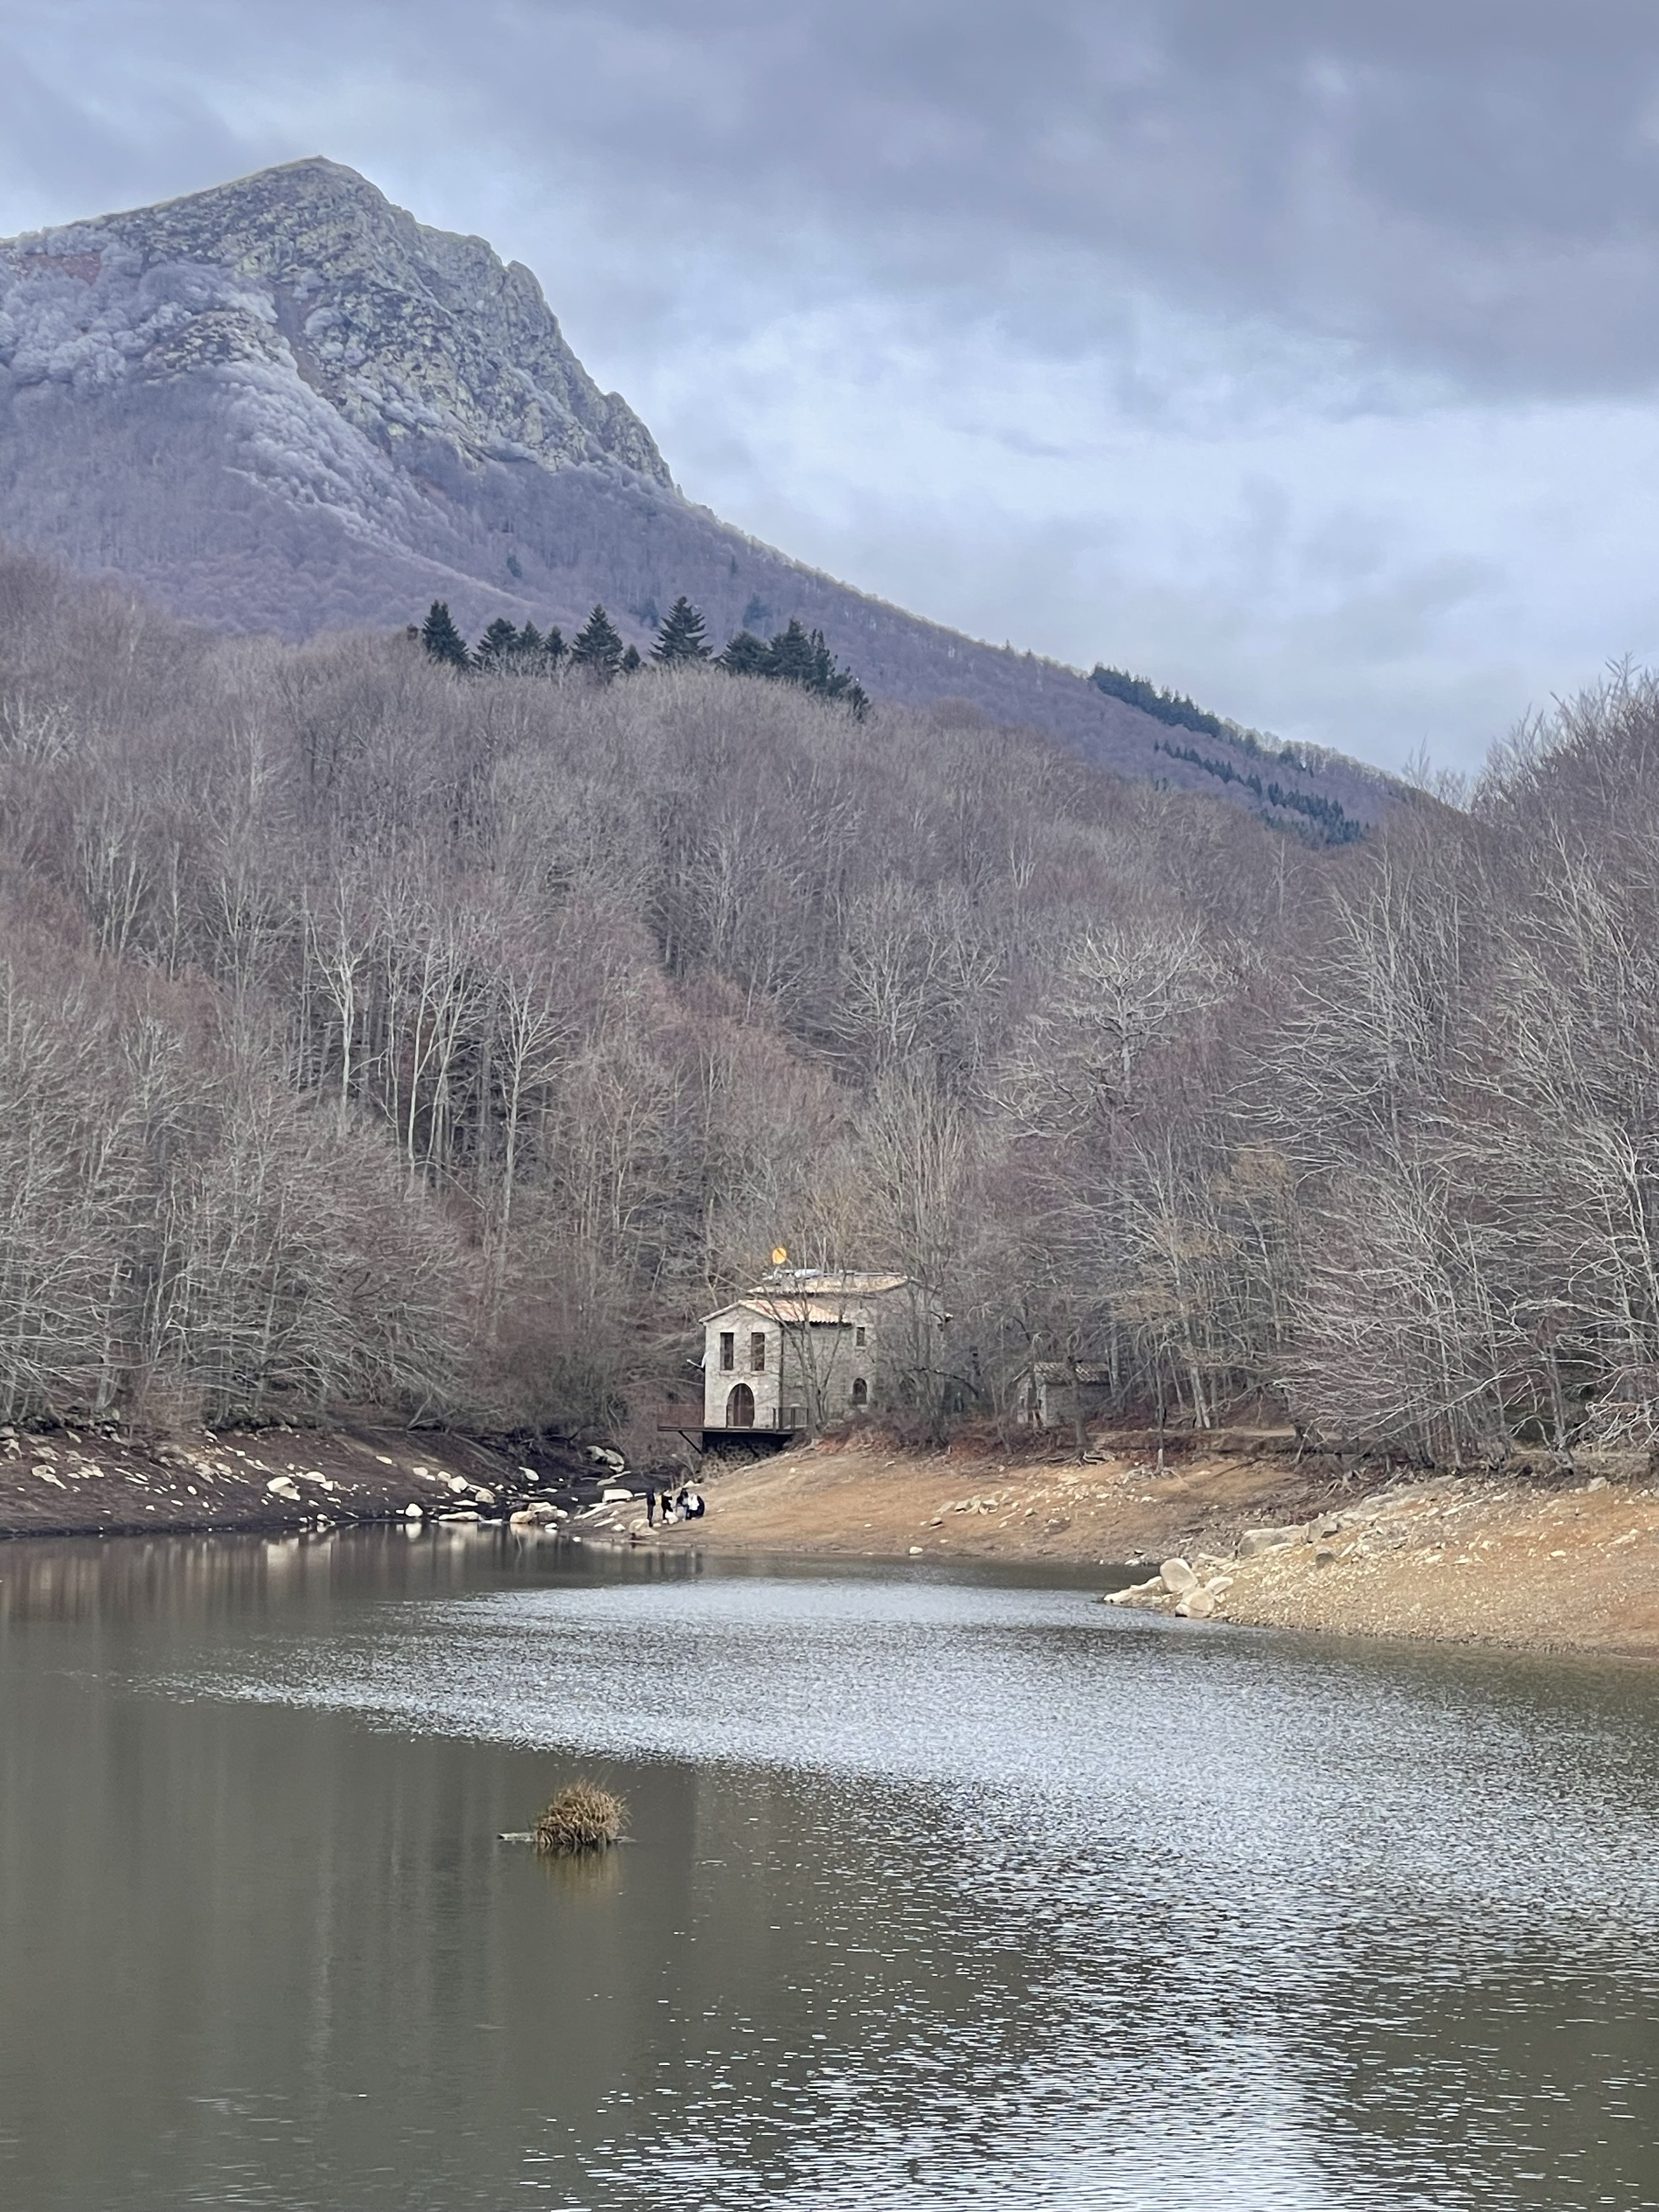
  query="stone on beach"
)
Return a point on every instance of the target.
[
  {"x": 1148, "y": 1593},
  {"x": 1256, "y": 1540}
]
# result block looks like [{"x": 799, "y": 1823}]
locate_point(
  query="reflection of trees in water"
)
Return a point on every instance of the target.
[
  {"x": 242, "y": 1576},
  {"x": 137, "y": 1578}
]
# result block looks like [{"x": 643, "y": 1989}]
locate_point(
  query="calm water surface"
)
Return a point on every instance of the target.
[{"x": 945, "y": 1891}]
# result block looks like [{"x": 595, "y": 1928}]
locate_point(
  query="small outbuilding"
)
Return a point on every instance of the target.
[{"x": 1061, "y": 1392}]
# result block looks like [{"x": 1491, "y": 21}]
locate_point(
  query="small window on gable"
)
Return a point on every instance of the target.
[
  {"x": 859, "y": 1337},
  {"x": 757, "y": 1352},
  {"x": 728, "y": 1349}
]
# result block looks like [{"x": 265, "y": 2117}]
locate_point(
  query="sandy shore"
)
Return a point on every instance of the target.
[{"x": 1534, "y": 1560}]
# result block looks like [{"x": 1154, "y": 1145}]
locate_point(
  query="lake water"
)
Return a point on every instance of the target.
[{"x": 944, "y": 1890}]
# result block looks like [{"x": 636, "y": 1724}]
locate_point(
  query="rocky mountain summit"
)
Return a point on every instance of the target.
[
  {"x": 285, "y": 405},
  {"x": 309, "y": 272}
]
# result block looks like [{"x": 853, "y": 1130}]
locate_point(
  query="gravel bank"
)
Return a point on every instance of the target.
[{"x": 1534, "y": 1559}]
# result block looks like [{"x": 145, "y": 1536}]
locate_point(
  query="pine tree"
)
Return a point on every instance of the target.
[
  {"x": 498, "y": 645},
  {"x": 829, "y": 679},
  {"x": 746, "y": 655},
  {"x": 681, "y": 636},
  {"x": 530, "y": 643},
  {"x": 554, "y": 647},
  {"x": 631, "y": 663},
  {"x": 442, "y": 639},
  {"x": 791, "y": 658},
  {"x": 597, "y": 647},
  {"x": 798, "y": 656}
]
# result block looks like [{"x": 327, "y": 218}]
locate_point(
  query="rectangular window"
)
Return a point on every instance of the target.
[
  {"x": 728, "y": 1351},
  {"x": 757, "y": 1352},
  {"x": 858, "y": 1338}
]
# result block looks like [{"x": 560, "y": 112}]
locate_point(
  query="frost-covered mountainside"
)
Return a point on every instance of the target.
[{"x": 285, "y": 405}]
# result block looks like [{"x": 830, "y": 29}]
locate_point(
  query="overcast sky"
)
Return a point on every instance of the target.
[{"x": 1301, "y": 356}]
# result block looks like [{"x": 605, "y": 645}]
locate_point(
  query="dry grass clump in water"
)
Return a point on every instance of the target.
[{"x": 582, "y": 1818}]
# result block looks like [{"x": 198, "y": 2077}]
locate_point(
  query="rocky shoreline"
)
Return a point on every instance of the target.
[
  {"x": 103, "y": 1479},
  {"x": 1197, "y": 1590}
]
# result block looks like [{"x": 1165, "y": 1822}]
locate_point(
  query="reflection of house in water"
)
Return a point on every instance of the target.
[{"x": 811, "y": 1345}]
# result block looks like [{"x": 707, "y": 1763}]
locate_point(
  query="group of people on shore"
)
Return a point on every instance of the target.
[{"x": 681, "y": 1504}]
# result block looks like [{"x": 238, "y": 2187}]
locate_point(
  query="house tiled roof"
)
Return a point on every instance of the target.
[
  {"x": 786, "y": 1308},
  {"x": 806, "y": 1294}
]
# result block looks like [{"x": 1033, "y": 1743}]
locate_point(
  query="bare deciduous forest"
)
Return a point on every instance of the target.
[{"x": 372, "y": 1033}]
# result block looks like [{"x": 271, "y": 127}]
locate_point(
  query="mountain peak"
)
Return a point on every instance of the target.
[{"x": 405, "y": 331}]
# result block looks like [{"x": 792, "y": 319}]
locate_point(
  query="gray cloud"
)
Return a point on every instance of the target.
[
  {"x": 1236, "y": 322},
  {"x": 1473, "y": 188}
]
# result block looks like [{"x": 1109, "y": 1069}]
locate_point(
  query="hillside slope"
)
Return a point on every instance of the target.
[{"x": 284, "y": 405}]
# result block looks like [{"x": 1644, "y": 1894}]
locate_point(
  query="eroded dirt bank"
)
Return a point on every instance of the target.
[
  {"x": 105, "y": 1480},
  {"x": 1535, "y": 1559}
]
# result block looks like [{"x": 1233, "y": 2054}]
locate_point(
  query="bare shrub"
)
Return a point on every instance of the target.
[{"x": 582, "y": 1817}]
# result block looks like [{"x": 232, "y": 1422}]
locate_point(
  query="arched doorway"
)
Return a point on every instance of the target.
[
  {"x": 740, "y": 1408},
  {"x": 860, "y": 1391}
]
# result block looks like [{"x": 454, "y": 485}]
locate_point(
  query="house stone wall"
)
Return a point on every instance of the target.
[{"x": 743, "y": 1323}]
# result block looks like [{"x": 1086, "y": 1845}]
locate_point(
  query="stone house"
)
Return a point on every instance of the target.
[{"x": 808, "y": 1347}]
